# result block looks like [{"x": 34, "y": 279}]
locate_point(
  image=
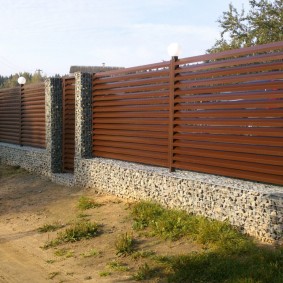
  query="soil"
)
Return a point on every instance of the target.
[{"x": 28, "y": 201}]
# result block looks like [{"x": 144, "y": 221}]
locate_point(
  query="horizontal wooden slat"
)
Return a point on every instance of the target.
[
  {"x": 218, "y": 170},
  {"x": 145, "y": 160}
]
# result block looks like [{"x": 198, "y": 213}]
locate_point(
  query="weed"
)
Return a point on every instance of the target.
[
  {"x": 104, "y": 273},
  {"x": 144, "y": 213},
  {"x": 50, "y": 227},
  {"x": 117, "y": 266},
  {"x": 12, "y": 170},
  {"x": 144, "y": 272},
  {"x": 52, "y": 275},
  {"x": 76, "y": 232},
  {"x": 142, "y": 254},
  {"x": 124, "y": 244},
  {"x": 90, "y": 253},
  {"x": 83, "y": 215},
  {"x": 64, "y": 252},
  {"x": 50, "y": 261},
  {"x": 87, "y": 203}
]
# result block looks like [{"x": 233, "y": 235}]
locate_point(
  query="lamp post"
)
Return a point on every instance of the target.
[
  {"x": 21, "y": 82},
  {"x": 174, "y": 51}
]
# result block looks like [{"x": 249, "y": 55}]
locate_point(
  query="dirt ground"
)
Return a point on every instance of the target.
[{"x": 28, "y": 202}]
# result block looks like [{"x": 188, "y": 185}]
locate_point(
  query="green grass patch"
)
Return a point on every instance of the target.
[
  {"x": 87, "y": 203},
  {"x": 50, "y": 227},
  {"x": 256, "y": 266},
  {"x": 144, "y": 272},
  {"x": 90, "y": 253},
  {"x": 7, "y": 171},
  {"x": 76, "y": 232},
  {"x": 124, "y": 244},
  {"x": 117, "y": 266},
  {"x": 104, "y": 273},
  {"x": 228, "y": 256},
  {"x": 64, "y": 253},
  {"x": 142, "y": 254}
]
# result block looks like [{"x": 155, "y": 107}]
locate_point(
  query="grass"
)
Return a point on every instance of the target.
[
  {"x": 228, "y": 256},
  {"x": 142, "y": 254},
  {"x": 144, "y": 272},
  {"x": 50, "y": 227},
  {"x": 104, "y": 273},
  {"x": 117, "y": 266},
  {"x": 76, "y": 232},
  {"x": 90, "y": 253},
  {"x": 124, "y": 244},
  {"x": 64, "y": 252},
  {"x": 7, "y": 171},
  {"x": 87, "y": 203}
]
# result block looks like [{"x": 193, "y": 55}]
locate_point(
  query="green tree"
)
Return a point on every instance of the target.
[
  {"x": 12, "y": 80},
  {"x": 263, "y": 23}
]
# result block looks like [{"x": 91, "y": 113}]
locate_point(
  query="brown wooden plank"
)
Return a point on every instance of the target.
[
  {"x": 233, "y": 53},
  {"x": 233, "y": 147},
  {"x": 230, "y": 71},
  {"x": 135, "y": 140},
  {"x": 160, "y": 128},
  {"x": 137, "y": 159},
  {"x": 229, "y": 156},
  {"x": 245, "y": 139},
  {"x": 142, "y": 121},
  {"x": 217, "y": 170},
  {"x": 126, "y": 102},
  {"x": 230, "y": 88},
  {"x": 126, "y": 145},
  {"x": 159, "y": 114},
  {"x": 236, "y": 113},
  {"x": 232, "y": 105},
  {"x": 267, "y": 122},
  {"x": 131, "y": 133},
  {"x": 255, "y": 131},
  {"x": 131, "y": 108},
  {"x": 144, "y": 88},
  {"x": 270, "y": 94},
  {"x": 230, "y": 62}
]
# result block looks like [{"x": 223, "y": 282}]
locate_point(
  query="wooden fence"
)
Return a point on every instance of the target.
[
  {"x": 219, "y": 113},
  {"x": 22, "y": 115}
]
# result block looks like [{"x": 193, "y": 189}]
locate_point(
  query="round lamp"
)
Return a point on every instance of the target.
[
  {"x": 174, "y": 49},
  {"x": 21, "y": 80}
]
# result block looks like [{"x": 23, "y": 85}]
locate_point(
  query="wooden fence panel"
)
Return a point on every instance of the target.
[
  {"x": 33, "y": 115},
  {"x": 10, "y": 115},
  {"x": 130, "y": 114},
  {"x": 228, "y": 114}
]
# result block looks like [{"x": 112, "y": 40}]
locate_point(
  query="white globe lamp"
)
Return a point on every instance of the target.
[
  {"x": 21, "y": 80},
  {"x": 174, "y": 49}
]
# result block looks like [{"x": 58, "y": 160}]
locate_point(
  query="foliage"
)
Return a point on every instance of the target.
[
  {"x": 144, "y": 272},
  {"x": 76, "y": 232},
  {"x": 50, "y": 227},
  {"x": 263, "y": 23},
  {"x": 87, "y": 203},
  {"x": 12, "y": 80},
  {"x": 258, "y": 265},
  {"x": 124, "y": 244}
]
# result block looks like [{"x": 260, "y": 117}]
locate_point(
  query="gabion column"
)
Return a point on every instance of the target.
[
  {"x": 53, "y": 120},
  {"x": 83, "y": 124}
]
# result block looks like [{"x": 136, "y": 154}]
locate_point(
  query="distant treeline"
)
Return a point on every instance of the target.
[{"x": 12, "y": 80}]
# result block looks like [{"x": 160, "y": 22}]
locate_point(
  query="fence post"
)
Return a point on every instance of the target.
[
  {"x": 54, "y": 123},
  {"x": 83, "y": 117},
  {"x": 172, "y": 68},
  {"x": 20, "y": 115}
]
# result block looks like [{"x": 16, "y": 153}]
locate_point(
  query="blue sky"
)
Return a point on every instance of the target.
[{"x": 52, "y": 35}]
